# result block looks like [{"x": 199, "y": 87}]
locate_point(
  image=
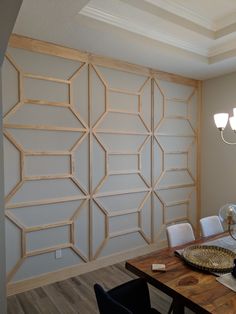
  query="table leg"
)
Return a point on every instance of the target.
[{"x": 178, "y": 307}]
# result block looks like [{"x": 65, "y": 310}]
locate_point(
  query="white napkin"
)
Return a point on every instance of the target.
[{"x": 228, "y": 280}]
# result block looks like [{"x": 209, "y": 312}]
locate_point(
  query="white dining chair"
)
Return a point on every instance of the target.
[
  {"x": 210, "y": 225},
  {"x": 179, "y": 234}
]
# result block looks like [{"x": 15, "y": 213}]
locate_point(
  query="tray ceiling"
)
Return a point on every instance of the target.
[{"x": 187, "y": 37}]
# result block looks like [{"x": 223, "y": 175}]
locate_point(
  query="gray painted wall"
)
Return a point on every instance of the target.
[
  {"x": 8, "y": 13},
  {"x": 218, "y": 159}
]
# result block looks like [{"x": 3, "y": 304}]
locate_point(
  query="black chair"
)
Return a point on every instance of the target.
[{"x": 129, "y": 298}]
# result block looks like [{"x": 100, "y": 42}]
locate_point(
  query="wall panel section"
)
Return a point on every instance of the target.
[{"x": 99, "y": 157}]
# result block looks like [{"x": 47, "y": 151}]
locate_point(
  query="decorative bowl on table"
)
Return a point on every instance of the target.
[{"x": 209, "y": 258}]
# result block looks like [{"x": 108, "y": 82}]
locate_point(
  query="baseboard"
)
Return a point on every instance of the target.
[{"x": 65, "y": 273}]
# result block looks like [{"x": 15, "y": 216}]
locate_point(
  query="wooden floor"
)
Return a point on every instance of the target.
[{"x": 76, "y": 295}]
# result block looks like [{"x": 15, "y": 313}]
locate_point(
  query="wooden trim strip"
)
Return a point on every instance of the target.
[
  {"x": 13, "y": 191},
  {"x": 77, "y": 212},
  {"x": 122, "y": 153},
  {"x": 49, "y": 249},
  {"x": 98, "y": 73},
  {"x": 47, "y": 153},
  {"x": 135, "y": 113},
  {"x": 176, "y": 117},
  {"x": 49, "y": 226},
  {"x": 123, "y": 212},
  {"x": 123, "y": 91},
  {"x": 144, "y": 236},
  {"x": 46, "y": 202},
  {"x": 79, "y": 186},
  {"x": 176, "y": 203},
  {"x": 79, "y": 253},
  {"x": 79, "y": 118},
  {"x": 90, "y": 153},
  {"x": 183, "y": 218},
  {"x": 13, "y": 141},
  {"x": 12, "y": 61},
  {"x": 177, "y": 152},
  {"x": 47, "y": 177},
  {"x": 73, "y": 76},
  {"x": 143, "y": 85},
  {"x": 80, "y": 140},
  {"x": 105, "y": 194},
  {"x": 123, "y": 172},
  {"x": 45, "y": 78},
  {"x": 42, "y": 127},
  {"x": 176, "y": 169},
  {"x": 45, "y": 102},
  {"x": 121, "y": 132},
  {"x": 124, "y": 232},
  {"x": 185, "y": 101},
  {"x": 101, "y": 246},
  {"x": 34, "y": 45},
  {"x": 165, "y": 76},
  {"x": 174, "y": 135},
  {"x": 14, "y": 220},
  {"x": 198, "y": 157},
  {"x": 12, "y": 110},
  {"x": 15, "y": 268},
  {"x": 167, "y": 187},
  {"x": 119, "y": 65},
  {"x": 101, "y": 207}
]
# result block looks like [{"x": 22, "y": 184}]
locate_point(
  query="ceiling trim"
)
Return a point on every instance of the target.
[
  {"x": 123, "y": 23},
  {"x": 180, "y": 10},
  {"x": 224, "y": 50},
  {"x": 171, "y": 17}
]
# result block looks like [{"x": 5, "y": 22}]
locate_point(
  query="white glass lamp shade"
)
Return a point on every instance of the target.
[
  {"x": 232, "y": 121},
  {"x": 221, "y": 120},
  {"x": 227, "y": 214}
]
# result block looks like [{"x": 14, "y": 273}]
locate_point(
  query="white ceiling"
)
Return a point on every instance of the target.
[{"x": 188, "y": 37}]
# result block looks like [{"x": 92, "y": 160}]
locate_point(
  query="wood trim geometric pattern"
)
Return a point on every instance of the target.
[
  {"x": 23, "y": 178},
  {"x": 94, "y": 131},
  {"x": 194, "y": 140},
  {"x": 147, "y": 187}
]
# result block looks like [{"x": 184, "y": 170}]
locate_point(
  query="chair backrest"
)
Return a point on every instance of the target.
[
  {"x": 129, "y": 297},
  {"x": 210, "y": 225},
  {"x": 107, "y": 304},
  {"x": 179, "y": 234}
]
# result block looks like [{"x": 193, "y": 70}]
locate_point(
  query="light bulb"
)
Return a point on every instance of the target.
[
  {"x": 232, "y": 122},
  {"x": 221, "y": 120}
]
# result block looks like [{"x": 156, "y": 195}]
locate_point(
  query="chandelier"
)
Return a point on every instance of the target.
[
  {"x": 227, "y": 214},
  {"x": 221, "y": 120}
]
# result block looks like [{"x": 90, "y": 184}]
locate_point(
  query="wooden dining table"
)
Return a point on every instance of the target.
[{"x": 189, "y": 287}]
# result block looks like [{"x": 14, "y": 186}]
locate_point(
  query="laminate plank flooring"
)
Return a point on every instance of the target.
[{"x": 76, "y": 295}]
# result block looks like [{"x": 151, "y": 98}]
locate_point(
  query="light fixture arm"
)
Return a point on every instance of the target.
[
  {"x": 230, "y": 232},
  {"x": 224, "y": 140}
]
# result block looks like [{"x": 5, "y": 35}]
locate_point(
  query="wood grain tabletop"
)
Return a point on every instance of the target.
[{"x": 188, "y": 286}]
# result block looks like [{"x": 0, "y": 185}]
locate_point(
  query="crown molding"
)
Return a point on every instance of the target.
[
  {"x": 225, "y": 21},
  {"x": 210, "y": 48},
  {"x": 222, "y": 49},
  {"x": 121, "y": 22},
  {"x": 180, "y": 10}
]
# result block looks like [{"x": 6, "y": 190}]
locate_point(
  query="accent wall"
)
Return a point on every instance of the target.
[{"x": 100, "y": 156}]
